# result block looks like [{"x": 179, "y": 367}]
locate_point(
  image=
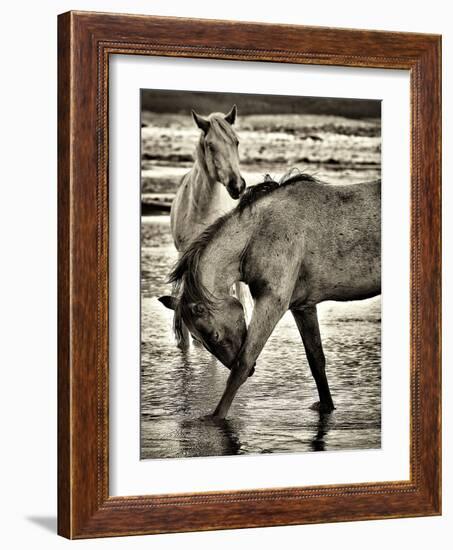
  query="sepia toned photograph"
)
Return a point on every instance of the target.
[{"x": 260, "y": 274}]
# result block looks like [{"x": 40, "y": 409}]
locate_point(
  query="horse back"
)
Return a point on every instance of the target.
[{"x": 322, "y": 241}]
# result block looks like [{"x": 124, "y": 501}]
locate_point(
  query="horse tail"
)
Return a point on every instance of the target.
[{"x": 177, "y": 273}]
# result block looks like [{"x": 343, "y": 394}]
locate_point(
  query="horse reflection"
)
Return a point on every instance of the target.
[
  {"x": 318, "y": 443},
  {"x": 211, "y": 437}
]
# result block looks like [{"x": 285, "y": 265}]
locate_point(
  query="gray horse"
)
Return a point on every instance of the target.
[{"x": 296, "y": 244}]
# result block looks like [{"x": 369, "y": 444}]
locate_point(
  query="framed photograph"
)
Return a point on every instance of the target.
[{"x": 249, "y": 275}]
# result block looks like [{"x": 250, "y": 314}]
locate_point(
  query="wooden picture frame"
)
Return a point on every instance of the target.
[{"x": 85, "y": 41}]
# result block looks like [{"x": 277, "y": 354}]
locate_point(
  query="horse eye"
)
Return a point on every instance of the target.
[{"x": 216, "y": 336}]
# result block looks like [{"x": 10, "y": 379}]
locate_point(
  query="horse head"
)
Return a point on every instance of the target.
[
  {"x": 219, "y": 144},
  {"x": 221, "y": 328}
]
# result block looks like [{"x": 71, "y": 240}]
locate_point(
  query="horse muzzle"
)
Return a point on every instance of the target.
[{"x": 236, "y": 187}]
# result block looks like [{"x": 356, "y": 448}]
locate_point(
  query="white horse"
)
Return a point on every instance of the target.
[{"x": 211, "y": 188}]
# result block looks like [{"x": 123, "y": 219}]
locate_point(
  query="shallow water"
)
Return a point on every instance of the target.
[{"x": 271, "y": 412}]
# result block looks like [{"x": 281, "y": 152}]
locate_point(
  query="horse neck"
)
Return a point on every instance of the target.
[
  {"x": 220, "y": 264},
  {"x": 204, "y": 187}
]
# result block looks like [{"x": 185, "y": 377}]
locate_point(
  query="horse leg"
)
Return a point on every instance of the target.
[
  {"x": 307, "y": 323},
  {"x": 266, "y": 314}
]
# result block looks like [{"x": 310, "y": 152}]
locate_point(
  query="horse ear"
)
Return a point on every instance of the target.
[
  {"x": 198, "y": 309},
  {"x": 169, "y": 301},
  {"x": 201, "y": 122},
  {"x": 231, "y": 116}
]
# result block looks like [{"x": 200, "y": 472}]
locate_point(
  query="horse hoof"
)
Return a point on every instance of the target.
[
  {"x": 206, "y": 418},
  {"x": 211, "y": 418},
  {"x": 322, "y": 407},
  {"x": 183, "y": 345}
]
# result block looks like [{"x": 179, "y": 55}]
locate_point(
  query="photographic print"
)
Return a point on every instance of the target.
[{"x": 260, "y": 274}]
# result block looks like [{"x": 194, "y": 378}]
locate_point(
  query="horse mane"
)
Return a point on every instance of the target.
[
  {"x": 269, "y": 185},
  {"x": 186, "y": 268},
  {"x": 220, "y": 125},
  {"x": 186, "y": 278}
]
